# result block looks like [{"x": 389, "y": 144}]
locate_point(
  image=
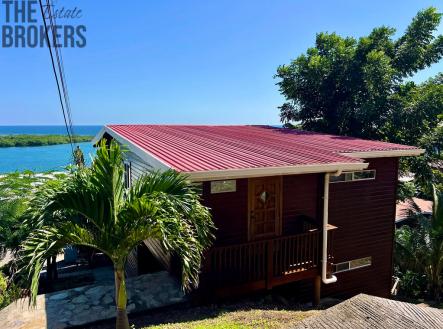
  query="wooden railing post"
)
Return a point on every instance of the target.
[
  {"x": 207, "y": 261},
  {"x": 317, "y": 292},
  {"x": 270, "y": 264}
]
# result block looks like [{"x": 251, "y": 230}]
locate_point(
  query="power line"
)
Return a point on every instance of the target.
[
  {"x": 56, "y": 76},
  {"x": 59, "y": 57}
]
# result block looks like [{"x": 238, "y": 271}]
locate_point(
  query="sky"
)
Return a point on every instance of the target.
[{"x": 183, "y": 62}]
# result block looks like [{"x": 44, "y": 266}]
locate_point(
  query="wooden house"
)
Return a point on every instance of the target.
[{"x": 288, "y": 205}]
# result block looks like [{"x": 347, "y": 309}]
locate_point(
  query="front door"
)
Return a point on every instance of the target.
[{"x": 264, "y": 207}]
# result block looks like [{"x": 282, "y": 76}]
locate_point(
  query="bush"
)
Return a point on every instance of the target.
[
  {"x": 3, "y": 291},
  {"x": 412, "y": 284},
  {"x": 8, "y": 291}
]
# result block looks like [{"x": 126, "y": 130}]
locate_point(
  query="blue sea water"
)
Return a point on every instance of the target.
[{"x": 42, "y": 158}]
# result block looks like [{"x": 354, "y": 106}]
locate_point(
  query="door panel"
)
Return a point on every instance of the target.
[{"x": 264, "y": 207}]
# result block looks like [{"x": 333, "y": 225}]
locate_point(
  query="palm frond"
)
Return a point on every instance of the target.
[
  {"x": 46, "y": 242},
  {"x": 92, "y": 208}
]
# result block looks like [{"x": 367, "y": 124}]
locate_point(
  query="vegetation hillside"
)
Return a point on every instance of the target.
[{"x": 38, "y": 140}]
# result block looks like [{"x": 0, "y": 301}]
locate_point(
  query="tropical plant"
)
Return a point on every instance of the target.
[
  {"x": 15, "y": 191},
  {"x": 3, "y": 286},
  {"x": 412, "y": 284},
  {"x": 92, "y": 208},
  {"x": 419, "y": 249},
  {"x": 8, "y": 291}
]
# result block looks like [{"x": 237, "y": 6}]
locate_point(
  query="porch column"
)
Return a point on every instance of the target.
[{"x": 317, "y": 288}]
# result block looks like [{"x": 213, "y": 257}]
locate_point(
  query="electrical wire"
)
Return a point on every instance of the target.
[
  {"x": 59, "y": 57},
  {"x": 65, "y": 115}
]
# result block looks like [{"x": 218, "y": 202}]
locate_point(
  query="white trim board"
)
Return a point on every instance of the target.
[
  {"x": 384, "y": 154},
  {"x": 274, "y": 171},
  {"x": 149, "y": 158}
]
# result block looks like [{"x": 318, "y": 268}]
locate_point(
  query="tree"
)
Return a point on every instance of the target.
[
  {"x": 79, "y": 158},
  {"x": 420, "y": 249},
  {"x": 357, "y": 88},
  {"x": 92, "y": 208},
  {"x": 362, "y": 87}
]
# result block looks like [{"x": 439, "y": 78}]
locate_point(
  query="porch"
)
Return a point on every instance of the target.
[{"x": 263, "y": 264}]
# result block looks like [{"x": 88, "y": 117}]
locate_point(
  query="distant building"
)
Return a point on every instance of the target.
[{"x": 406, "y": 208}]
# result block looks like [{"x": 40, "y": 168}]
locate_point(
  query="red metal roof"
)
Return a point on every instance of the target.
[
  {"x": 204, "y": 148},
  {"x": 404, "y": 208}
]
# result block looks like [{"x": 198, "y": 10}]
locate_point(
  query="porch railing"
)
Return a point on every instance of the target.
[
  {"x": 295, "y": 253},
  {"x": 267, "y": 262}
]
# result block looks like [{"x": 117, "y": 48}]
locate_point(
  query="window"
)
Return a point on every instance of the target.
[
  {"x": 223, "y": 186},
  {"x": 127, "y": 175},
  {"x": 353, "y": 176},
  {"x": 352, "y": 264}
]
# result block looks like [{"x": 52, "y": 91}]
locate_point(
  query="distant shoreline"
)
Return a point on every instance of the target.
[
  {"x": 29, "y": 140},
  {"x": 79, "y": 130}
]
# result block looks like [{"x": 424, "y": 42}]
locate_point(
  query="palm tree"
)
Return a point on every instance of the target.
[
  {"x": 420, "y": 249},
  {"x": 92, "y": 208}
]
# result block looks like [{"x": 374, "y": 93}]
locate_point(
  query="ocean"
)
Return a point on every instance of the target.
[{"x": 42, "y": 158}]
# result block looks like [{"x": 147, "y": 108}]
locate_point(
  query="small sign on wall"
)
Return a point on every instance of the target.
[{"x": 223, "y": 186}]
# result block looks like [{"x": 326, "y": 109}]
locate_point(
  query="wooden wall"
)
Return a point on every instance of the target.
[
  {"x": 300, "y": 198},
  {"x": 229, "y": 212},
  {"x": 364, "y": 212}
]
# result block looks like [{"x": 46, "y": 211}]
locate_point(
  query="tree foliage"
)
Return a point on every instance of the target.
[
  {"x": 92, "y": 208},
  {"x": 419, "y": 250},
  {"x": 363, "y": 87},
  {"x": 358, "y": 87},
  {"x": 16, "y": 190},
  {"x": 39, "y": 140}
]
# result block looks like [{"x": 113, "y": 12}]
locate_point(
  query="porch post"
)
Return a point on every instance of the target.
[
  {"x": 270, "y": 264},
  {"x": 317, "y": 288}
]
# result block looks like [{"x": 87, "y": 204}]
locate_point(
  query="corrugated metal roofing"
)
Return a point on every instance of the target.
[
  {"x": 192, "y": 148},
  {"x": 403, "y": 209}
]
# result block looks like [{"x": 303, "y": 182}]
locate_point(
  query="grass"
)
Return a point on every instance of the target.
[
  {"x": 243, "y": 319},
  {"x": 281, "y": 308},
  {"x": 269, "y": 311},
  {"x": 38, "y": 140}
]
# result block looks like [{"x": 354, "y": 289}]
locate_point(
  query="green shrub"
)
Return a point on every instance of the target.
[
  {"x": 8, "y": 291},
  {"x": 3, "y": 291},
  {"x": 412, "y": 284}
]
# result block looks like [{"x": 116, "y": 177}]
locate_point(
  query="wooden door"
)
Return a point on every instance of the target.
[{"x": 264, "y": 207}]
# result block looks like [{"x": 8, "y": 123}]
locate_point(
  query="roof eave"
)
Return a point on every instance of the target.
[
  {"x": 146, "y": 156},
  {"x": 98, "y": 136},
  {"x": 199, "y": 176},
  {"x": 384, "y": 154}
]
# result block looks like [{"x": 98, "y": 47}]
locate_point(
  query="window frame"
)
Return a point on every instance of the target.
[
  {"x": 349, "y": 264},
  {"x": 353, "y": 179},
  {"x": 224, "y": 181}
]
